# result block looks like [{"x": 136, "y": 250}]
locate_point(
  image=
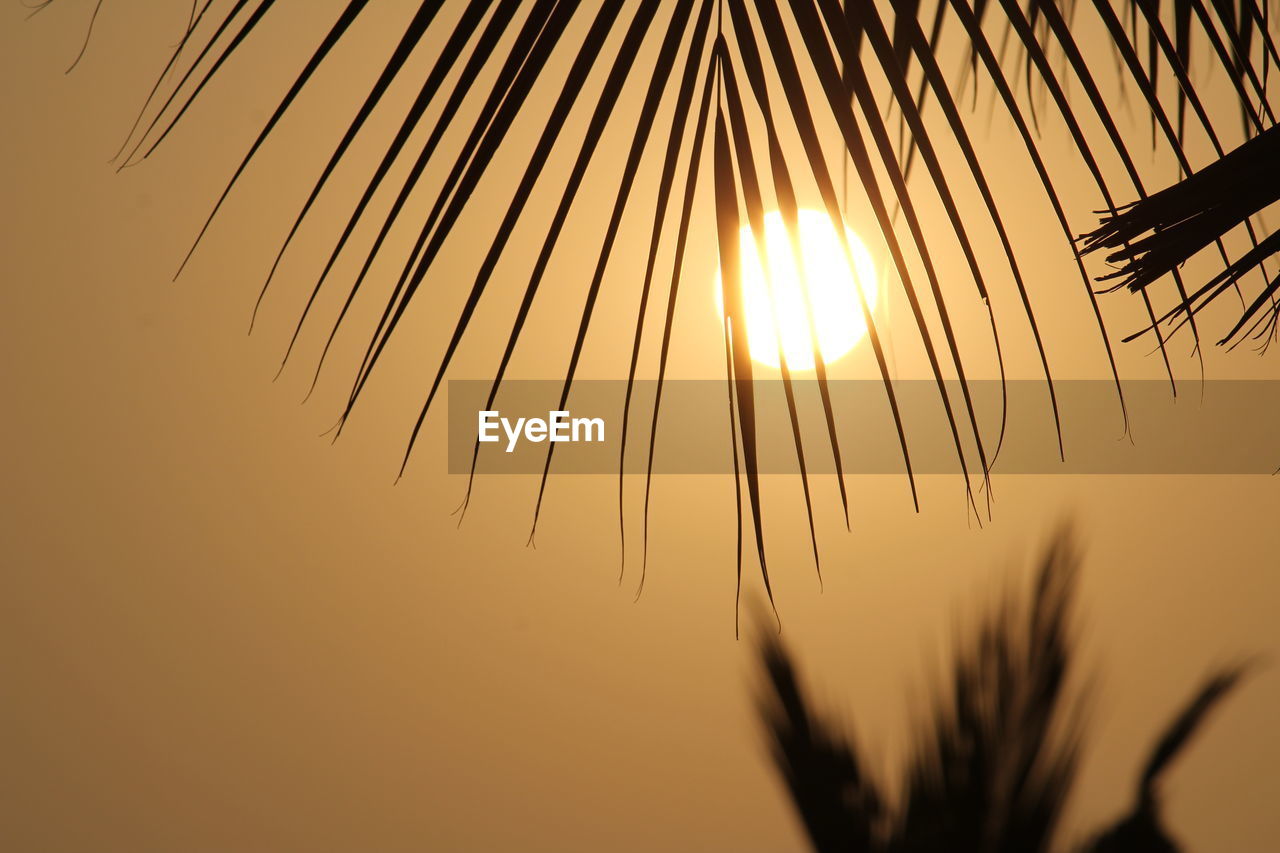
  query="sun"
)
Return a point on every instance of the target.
[{"x": 818, "y": 288}]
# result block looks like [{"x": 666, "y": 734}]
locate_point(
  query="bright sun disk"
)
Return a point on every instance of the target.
[{"x": 817, "y": 286}]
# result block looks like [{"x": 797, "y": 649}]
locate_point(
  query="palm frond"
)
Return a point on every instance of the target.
[
  {"x": 1155, "y": 235},
  {"x": 682, "y": 240},
  {"x": 740, "y": 369},
  {"x": 755, "y": 208},
  {"x": 839, "y": 65},
  {"x": 1142, "y": 831},
  {"x": 996, "y": 757},
  {"x": 840, "y": 805}
]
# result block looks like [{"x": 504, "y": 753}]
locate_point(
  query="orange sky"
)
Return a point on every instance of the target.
[{"x": 222, "y": 632}]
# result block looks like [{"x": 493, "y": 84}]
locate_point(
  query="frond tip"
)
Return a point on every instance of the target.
[
  {"x": 1156, "y": 235},
  {"x": 840, "y": 805},
  {"x": 1142, "y": 830}
]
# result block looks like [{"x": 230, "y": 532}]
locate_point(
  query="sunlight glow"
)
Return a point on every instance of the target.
[{"x": 821, "y": 280}]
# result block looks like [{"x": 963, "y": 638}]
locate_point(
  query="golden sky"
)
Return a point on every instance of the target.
[{"x": 222, "y": 632}]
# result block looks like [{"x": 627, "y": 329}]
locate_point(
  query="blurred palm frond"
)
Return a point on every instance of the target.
[{"x": 996, "y": 759}]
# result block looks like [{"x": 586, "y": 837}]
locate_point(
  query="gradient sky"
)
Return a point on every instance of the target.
[{"x": 221, "y": 632}]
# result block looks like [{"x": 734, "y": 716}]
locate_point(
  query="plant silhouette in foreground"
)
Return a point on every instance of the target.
[{"x": 995, "y": 760}]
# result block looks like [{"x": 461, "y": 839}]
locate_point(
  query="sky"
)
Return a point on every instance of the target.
[{"x": 221, "y": 630}]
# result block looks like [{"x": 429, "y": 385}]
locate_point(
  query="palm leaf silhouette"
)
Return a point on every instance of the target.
[
  {"x": 843, "y": 66},
  {"x": 1156, "y": 235},
  {"x": 1142, "y": 830},
  {"x": 995, "y": 760}
]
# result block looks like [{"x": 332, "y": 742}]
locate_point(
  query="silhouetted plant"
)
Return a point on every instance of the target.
[
  {"x": 719, "y": 67},
  {"x": 1155, "y": 235},
  {"x": 994, "y": 762}
]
